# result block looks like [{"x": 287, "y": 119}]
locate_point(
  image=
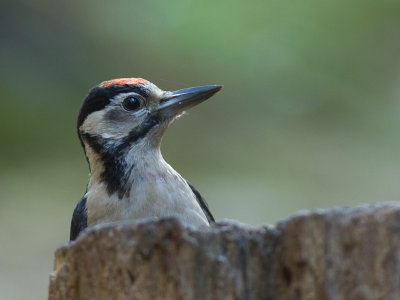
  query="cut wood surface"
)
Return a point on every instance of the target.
[{"x": 338, "y": 253}]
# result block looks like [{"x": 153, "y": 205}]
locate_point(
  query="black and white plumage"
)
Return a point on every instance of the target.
[{"x": 120, "y": 126}]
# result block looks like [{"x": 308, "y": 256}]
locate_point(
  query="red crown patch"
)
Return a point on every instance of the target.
[{"x": 122, "y": 81}]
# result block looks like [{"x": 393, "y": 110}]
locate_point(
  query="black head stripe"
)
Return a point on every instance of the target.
[
  {"x": 98, "y": 98},
  {"x": 141, "y": 132}
]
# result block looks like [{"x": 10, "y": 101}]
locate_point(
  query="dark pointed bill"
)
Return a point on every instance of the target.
[{"x": 178, "y": 101}]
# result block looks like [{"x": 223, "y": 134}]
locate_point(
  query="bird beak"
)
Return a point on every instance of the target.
[{"x": 174, "y": 103}]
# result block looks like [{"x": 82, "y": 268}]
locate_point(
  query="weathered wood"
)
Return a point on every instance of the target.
[{"x": 339, "y": 253}]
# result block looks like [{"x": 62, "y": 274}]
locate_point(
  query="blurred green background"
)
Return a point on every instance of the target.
[{"x": 308, "y": 118}]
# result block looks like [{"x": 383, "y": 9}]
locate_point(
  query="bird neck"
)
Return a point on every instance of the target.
[{"x": 117, "y": 169}]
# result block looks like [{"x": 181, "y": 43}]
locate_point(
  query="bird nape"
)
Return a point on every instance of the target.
[{"x": 120, "y": 126}]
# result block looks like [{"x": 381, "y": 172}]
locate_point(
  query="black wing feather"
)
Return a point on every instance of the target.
[
  {"x": 203, "y": 204},
  {"x": 79, "y": 219}
]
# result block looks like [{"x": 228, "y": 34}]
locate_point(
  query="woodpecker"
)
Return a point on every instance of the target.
[{"x": 120, "y": 126}]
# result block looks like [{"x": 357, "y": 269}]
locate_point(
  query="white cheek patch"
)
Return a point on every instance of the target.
[{"x": 101, "y": 123}]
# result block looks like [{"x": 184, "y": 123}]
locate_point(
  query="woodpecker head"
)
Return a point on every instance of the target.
[{"x": 121, "y": 114}]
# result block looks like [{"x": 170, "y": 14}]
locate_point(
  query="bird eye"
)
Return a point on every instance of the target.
[{"x": 131, "y": 103}]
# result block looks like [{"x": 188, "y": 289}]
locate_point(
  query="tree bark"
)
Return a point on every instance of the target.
[{"x": 340, "y": 253}]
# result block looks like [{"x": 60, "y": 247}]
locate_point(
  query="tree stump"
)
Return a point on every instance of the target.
[{"x": 339, "y": 253}]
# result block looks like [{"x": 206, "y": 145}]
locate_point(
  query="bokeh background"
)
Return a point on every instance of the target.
[{"x": 308, "y": 118}]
